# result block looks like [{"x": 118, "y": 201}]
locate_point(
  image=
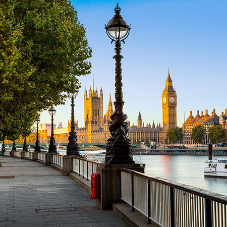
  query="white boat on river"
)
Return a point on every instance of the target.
[{"x": 214, "y": 167}]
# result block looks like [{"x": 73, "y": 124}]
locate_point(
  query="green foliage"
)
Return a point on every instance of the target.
[
  {"x": 198, "y": 133},
  {"x": 43, "y": 51},
  {"x": 174, "y": 135},
  {"x": 217, "y": 134}
]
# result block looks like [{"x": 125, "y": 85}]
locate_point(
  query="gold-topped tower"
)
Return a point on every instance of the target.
[{"x": 169, "y": 105}]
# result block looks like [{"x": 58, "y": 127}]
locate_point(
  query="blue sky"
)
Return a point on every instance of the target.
[{"x": 188, "y": 37}]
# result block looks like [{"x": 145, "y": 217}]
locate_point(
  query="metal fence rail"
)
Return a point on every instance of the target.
[
  {"x": 58, "y": 160},
  {"x": 42, "y": 156},
  {"x": 170, "y": 204},
  {"x": 17, "y": 154},
  {"x": 28, "y": 155},
  {"x": 84, "y": 167},
  {"x": 7, "y": 153}
]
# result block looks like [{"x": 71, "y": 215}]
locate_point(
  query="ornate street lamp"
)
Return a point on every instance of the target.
[
  {"x": 14, "y": 146},
  {"x": 3, "y": 146},
  {"x": 73, "y": 148},
  {"x": 118, "y": 147},
  {"x": 25, "y": 148},
  {"x": 52, "y": 146},
  {"x": 37, "y": 145}
]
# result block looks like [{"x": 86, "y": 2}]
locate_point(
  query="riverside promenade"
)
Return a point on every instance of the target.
[{"x": 32, "y": 194}]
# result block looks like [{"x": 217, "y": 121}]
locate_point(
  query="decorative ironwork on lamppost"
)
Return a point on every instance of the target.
[
  {"x": 37, "y": 145},
  {"x": 118, "y": 147},
  {"x": 14, "y": 148},
  {"x": 52, "y": 146},
  {"x": 25, "y": 148},
  {"x": 73, "y": 148}
]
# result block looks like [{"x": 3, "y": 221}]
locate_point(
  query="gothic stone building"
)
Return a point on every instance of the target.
[{"x": 96, "y": 125}]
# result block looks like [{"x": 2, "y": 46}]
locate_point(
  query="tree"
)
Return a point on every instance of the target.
[
  {"x": 174, "y": 135},
  {"x": 198, "y": 133},
  {"x": 43, "y": 52},
  {"x": 217, "y": 134}
]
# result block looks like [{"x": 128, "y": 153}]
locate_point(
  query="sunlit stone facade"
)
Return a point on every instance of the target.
[{"x": 204, "y": 119}]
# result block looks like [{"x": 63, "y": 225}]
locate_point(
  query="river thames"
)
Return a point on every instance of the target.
[{"x": 185, "y": 169}]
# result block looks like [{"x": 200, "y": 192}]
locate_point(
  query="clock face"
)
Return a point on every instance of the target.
[
  {"x": 164, "y": 100},
  {"x": 172, "y": 99}
]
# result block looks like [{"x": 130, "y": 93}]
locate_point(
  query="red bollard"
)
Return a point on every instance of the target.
[{"x": 94, "y": 185}]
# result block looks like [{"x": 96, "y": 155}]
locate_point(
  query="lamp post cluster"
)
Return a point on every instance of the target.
[
  {"x": 118, "y": 147},
  {"x": 72, "y": 148}
]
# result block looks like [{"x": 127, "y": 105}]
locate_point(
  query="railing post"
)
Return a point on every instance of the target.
[
  {"x": 132, "y": 184},
  {"x": 149, "y": 201},
  {"x": 83, "y": 168},
  {"x": 208, "y": 213},
  {"x": 87, "y": 170},
  {"x": 120, "y": 186},
  {"x": 172, "y": 207},
  {"x": 79, "y": 166}
]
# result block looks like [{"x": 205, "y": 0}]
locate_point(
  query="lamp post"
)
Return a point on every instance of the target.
[
  {"x": 37, "y": 145},
  {"x": 118, "y": 147},
  {"x": 25, "y": 148},
  {"x": 52, "y": 146},
  {"x": 73, "y": 148}
]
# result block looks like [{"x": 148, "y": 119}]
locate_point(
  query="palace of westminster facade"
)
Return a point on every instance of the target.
[{"x": 96, "y": 129}]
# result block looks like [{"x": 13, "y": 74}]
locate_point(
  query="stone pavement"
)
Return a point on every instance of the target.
[{"x": 32, "y": 194}]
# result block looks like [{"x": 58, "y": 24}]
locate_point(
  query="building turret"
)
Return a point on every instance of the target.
[
  {"x": 109, "y": 110},
  {"x": 85, "y": 93},
  {"x": 197, "y": 114},
  {"x": 139, "y": 121},
  {"x": 213, "y": 113},
  {"x": 101, "y": 92},
  {"x": 90, "y": 92}
]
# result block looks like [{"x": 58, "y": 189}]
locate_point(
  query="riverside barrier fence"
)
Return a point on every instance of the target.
[
  {"x": 163, "y": 202},
  {"x": 170, "y": 204},
  {"x": 84, "y": 167}
]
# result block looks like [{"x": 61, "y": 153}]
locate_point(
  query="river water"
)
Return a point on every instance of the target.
[{"x": 183, "y": 169}]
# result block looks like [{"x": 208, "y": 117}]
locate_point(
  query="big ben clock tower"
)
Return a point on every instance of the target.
[{"x": 169, "y": 105}]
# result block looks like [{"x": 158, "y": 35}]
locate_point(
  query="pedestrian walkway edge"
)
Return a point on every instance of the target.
[
  {"x": 81, "y": 181},
  {"x": 132, "y": 218},
  {"x": 123, "y": 210}
]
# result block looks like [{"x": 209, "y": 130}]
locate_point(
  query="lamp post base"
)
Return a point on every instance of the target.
[
  {"x": 14, "y": 147},
  {"x": 25, "y": 148},
  {"x": 110, "y": 184},
  {"x": 52, "y": 149},
  {"x": 52, "y": 146},
  {"x": 73, "y": 150},
  {"x": 37, "y": 146},
  {"x": 119, "y": 153}
]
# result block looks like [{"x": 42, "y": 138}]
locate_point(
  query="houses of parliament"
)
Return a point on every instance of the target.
[{"x": 96, "y": 124}]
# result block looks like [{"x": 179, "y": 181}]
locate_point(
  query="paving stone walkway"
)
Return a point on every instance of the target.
[{"x": 32, "y": 194}]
